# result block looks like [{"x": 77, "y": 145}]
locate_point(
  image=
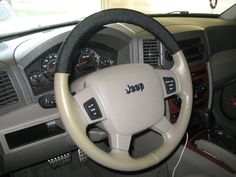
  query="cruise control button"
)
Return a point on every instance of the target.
[
  {"x": 92, "y": 109},
  {"x": 169, "y": 84}
]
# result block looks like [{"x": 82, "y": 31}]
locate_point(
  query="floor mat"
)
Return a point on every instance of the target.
[
  {"x": 74, "y": 169},
  {"x": 87, "y": 169},
  {"x": 156, "y": 171}
]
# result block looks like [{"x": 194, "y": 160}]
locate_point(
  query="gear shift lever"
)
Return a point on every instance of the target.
[
  {"x": 207, "y": 117},
  {"x": 208, "y": 120}
]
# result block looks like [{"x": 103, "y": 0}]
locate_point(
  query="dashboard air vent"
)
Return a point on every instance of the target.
[
  {"x": 8, "y": 94},
  {"x": 151, "y": 52},
  {"x": 193, "y": 49}
]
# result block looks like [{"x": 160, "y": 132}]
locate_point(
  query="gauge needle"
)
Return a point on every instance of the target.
[
  {"x": 82, "y": 63},
  {"x": 51, "y": 70}
]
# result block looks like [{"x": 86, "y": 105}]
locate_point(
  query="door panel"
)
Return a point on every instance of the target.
[{"x": 228, "y": 101}]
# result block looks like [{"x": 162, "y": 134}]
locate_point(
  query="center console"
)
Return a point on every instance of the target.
[{"x": 207, "y": 140}]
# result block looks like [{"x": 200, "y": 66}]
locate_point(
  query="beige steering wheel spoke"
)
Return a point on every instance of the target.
[
  {"x": 119, "y": 142},
  {"x": 163, "y": 126}
]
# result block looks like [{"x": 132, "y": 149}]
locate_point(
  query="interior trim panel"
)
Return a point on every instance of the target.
[{"x": 223, "y": 59}]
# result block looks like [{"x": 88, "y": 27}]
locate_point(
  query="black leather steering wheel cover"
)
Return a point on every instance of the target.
[{"x": 94, "y": 23}]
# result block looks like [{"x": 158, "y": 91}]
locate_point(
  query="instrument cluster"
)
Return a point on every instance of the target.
[
  {"x": 87, "y": 59},
  {"x": 91, "y": 59}
]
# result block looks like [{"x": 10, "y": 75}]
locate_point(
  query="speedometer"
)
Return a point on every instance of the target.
[
  {"x": 48, "y": 65},
  {"x": 88, "y": 61}
]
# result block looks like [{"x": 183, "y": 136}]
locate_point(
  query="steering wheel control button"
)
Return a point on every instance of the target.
[
  {"x": 169, "y": 84},
  {"x": 92, "y": 109}
]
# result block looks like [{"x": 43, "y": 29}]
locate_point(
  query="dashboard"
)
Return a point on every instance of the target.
[{"x": 28, "y": 64}]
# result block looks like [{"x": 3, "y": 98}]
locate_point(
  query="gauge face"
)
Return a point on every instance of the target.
[
  {"x": 88, "y": 61},
  {"x": 36, "y": 78},
  {"x": 106, "y": 62},
  {"x": 48, "y": 65}
]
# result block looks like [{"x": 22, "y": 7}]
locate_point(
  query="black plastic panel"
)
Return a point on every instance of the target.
[{"x": 32, "y": 134}]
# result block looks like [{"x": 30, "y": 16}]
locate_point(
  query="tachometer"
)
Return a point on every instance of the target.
[
  {"x": 48, "y": 65},
  {"x": 88, "y": 61}
]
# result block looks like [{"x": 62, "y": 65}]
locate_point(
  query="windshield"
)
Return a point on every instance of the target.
[{"x": 22, "y": 15}]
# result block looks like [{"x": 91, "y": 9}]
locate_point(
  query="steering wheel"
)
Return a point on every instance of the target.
[{"x": 125, "y": 99}]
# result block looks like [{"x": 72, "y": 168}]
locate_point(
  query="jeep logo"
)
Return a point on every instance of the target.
[{"x": 134, "y": 88}]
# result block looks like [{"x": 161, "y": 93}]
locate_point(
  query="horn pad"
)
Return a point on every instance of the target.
[{"x": 131, "y": 96}]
